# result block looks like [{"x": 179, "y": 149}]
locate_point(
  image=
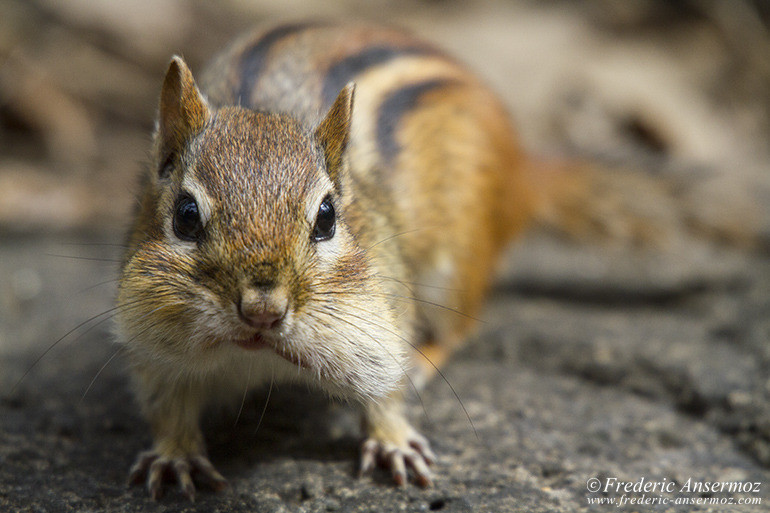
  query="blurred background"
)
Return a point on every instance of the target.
[
  {"x": 632, "y": 361},
  {"x": 650, "y": 81}
]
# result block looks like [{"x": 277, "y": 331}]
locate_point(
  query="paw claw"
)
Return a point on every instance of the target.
[
  {"x": 368, "y": 457},
  {"x": 182, "y": 472},
  {"x": 421, "y": 471},
  {"x": 415, "y": 455},
  {"x": 398, "y": 467},
  {"x": 422, "y": 446},
  {"x": 189, "y": 491},
  {"x": 156, "y": 470},
  {"x": 138, "y": 472},
  {"x": 155, "y": 488},
  {"x": 213, "y": 479},
  {"x": 155, "y": 478}
]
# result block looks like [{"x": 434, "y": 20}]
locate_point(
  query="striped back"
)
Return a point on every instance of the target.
[{"x": 300, "y": 69}]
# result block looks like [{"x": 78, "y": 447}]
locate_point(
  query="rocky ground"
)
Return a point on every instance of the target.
[{"x": 595, "y": 363}]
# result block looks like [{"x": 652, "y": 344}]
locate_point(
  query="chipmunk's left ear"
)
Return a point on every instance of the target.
[
  {"x": 183, "y": 110},
  {"x": 333, "y": 133}
]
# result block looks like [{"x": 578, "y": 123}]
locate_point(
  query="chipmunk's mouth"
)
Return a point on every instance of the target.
[{"x": 257, "y": 341}]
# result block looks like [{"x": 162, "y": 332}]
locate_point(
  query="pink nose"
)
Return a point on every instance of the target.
[
  {"x": 259, "y": 318},
  {"x": 262, "y": 309}
]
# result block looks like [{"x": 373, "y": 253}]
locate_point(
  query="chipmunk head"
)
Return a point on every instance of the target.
[{"x": 242, "y": 244}]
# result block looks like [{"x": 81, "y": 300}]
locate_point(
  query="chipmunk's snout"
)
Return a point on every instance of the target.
[{"x": 263, "y": 307}]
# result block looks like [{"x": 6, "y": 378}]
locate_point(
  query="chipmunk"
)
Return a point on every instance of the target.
[{"x": 326, "y": 204}]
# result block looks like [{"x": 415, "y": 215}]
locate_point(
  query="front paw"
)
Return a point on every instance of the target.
[
  {"x": 155, "y": 469},
  {"x": 411, "y": 451}
]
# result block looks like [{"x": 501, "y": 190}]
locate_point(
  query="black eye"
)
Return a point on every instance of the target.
[
  {"x": 324, "y": 222},
  {"x": 187, "y": 219}
]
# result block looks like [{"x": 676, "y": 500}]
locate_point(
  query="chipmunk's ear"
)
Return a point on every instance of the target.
[
  {"x": 183, "y": 111},
  {"x": 334, "y": 131}
]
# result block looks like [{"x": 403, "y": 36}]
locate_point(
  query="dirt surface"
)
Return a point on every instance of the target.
[{"x": 595, "y": 363}]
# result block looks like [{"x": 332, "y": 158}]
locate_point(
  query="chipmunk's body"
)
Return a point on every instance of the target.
[{"x": 288, "y": 232}]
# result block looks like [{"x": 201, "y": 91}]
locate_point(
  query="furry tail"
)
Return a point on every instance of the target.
[{"x": 589, "y": 201}]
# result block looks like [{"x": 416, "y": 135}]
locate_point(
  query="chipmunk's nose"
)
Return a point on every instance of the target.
[{"x": 262, "y": 308}]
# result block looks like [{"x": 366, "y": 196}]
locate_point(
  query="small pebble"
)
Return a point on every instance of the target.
[{"x": 312, "y": 487}]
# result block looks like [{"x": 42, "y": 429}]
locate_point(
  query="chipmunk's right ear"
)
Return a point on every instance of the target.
[
  {"x": 333, "y": 133},
  {"x": 183, "y": 112}
]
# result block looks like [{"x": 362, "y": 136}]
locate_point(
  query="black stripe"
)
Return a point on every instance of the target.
[
  {"x": 345, "y": 70},
  {"x": 395, "y": 106},
  {"x": 254, "y": 59}
]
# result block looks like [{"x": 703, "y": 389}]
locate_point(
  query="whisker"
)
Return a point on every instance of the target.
[
  {"x": 451, "y": 387},
  {"x": 91, "y": 259},
  {"x": 245, "y": 393},
  {"x": 98, "y": 373},
  {"x": 402, "y": 298},
  {"x": 417, "y": 284},
  {"x": 123, "y": 346},
  {"x": 392, "y": 237},
  {"x": 105, "y": 282},
  {"x": 431, "y": 303},
  {"x": 407, "y": 286},
  {"x": 97, "y": 244},
  {"x": 267, "y": 401},
  {"x": 109, "y": 313}
]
